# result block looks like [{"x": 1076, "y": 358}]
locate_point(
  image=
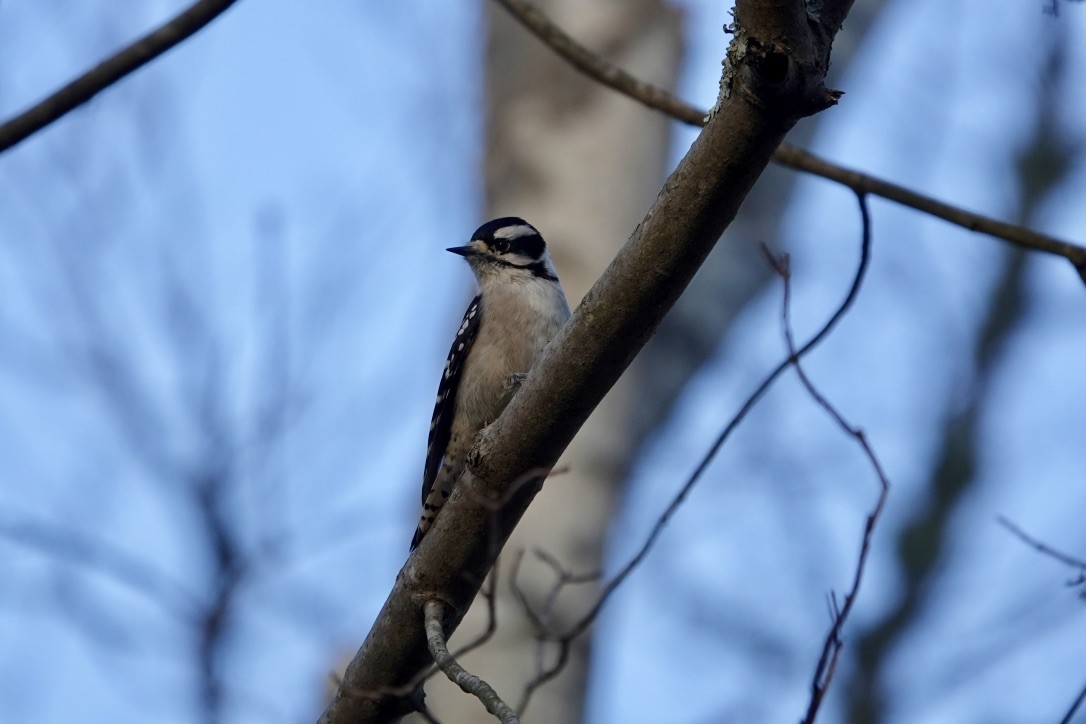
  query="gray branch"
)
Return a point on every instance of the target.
[{"x": 433, "y": 614}]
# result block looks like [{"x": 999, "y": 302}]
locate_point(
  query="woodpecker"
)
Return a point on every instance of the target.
[{"x": 519, "y": 307}]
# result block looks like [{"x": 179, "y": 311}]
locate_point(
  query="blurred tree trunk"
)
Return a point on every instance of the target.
[
  {"x": 583, "y": 164},
  {"x": 923, "y": 543}
]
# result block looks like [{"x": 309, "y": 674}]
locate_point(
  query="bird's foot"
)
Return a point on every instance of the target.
[{"x": 512, "y": 384}]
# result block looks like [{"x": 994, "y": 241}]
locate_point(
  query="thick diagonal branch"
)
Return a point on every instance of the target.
[
  {"x": 610, "y": 326},
  {"x": 110, "y": 70}
]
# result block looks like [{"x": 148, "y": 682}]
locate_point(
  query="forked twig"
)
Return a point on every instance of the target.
[
  {"x": 541, "y": 620},
  {"x": 839, "y": 611}
]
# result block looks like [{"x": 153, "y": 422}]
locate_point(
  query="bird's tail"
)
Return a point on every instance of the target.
[
  {"x": 420, "y": 531},
  {"x": 430, "y": 508}
]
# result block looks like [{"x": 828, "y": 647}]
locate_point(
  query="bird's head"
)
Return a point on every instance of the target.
[{"x": 507, "y": 248}]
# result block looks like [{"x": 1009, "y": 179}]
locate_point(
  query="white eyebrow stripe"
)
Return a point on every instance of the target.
[{"x": 515, "y": 232}]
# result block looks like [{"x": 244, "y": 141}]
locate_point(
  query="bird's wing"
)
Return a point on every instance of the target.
[{"x": 445, "y": 406}]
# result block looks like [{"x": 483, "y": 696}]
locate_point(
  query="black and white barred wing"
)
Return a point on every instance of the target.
[{"x": 445, "y": 406}]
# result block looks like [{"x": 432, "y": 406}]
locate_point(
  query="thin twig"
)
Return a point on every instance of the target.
[
  {"x": 542, "y": 620},
  {"x": 600, "y": 69},
  {"x": 545, "y": 673},
  {"x": 111, "y": 70},
  {"x": 1045, "y": 549},
  {"x": 1074, "y": 707},
  {"x": 433, "y": 614},
  {"x": 603, "y": 71},
  {"x": 1064, "y": 558},
  {"x": 564, "y": 576},
  {"x": 831, "y": 648}
]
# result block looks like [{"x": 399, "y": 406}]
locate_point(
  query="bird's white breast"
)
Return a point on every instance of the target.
[{"x": 519, "y": 318}]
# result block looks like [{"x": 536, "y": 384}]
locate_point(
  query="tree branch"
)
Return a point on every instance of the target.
[
  {"x": 767, "y": 88},
  {"x": 833, "y": 644},
  {"x": 433, "y": 613},
  {"x": 1040, "y": 547},
  {"x": 1045, "y": 549},
  {"x": 109, "y": 71},
  {"x": 542, "y": 620},
  {"x": 614, "y": 77}
]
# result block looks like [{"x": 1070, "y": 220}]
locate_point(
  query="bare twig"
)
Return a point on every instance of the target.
[
  {"x": 1064, "y": 558},
  {"x": 1075, "y": 705},
  {"x": 1045, "y": 549},
  {"x": 567, "y": 577},
  {"x": 433, "y": 615},
  {"x": 599, "y": 69},
  {"x": 839, "y": 612},
  {"x": 614, "y": 77},
  {"x": 111, "y": 70},
  {"x": 545, "y": 673},
  {"x": 542, "y": 620}
]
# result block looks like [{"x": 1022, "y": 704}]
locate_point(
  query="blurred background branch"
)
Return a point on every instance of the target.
[{"x": 127, "y": 60}]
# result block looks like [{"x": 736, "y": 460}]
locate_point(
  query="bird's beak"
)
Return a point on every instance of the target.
[{"x": 463, "y": 250}]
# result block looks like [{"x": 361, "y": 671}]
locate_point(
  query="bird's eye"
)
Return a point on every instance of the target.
[{"x": 501, "y": 246}]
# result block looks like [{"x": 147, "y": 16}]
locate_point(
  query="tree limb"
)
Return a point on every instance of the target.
[
  {"x": 109, "y": 71},
  {"x": 766, "y": 89},
  {"x": 614, "y": 77},
  {"x": 433, "y": 612}
]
